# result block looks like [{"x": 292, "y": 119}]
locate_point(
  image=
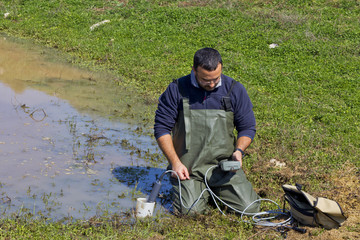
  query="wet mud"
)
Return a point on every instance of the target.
[{"x": 61, "y": 155}]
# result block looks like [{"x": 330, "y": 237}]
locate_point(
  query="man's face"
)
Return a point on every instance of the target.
[{"x": 208, "y": 79}]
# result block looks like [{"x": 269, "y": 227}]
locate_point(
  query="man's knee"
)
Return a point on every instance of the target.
[
  {"x": 193, "y": 199},
  {"x": 188, "y": 208},
  {"x": 240, "y": 196}
]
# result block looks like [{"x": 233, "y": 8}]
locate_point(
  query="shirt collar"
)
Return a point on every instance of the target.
[{"x": 195, "y": 83}]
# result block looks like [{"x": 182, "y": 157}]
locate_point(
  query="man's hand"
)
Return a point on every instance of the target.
[
  {"x": 166, "y": 145},
  {"x": 237, "y": 156},
  {"x": 242, "y": 143},
  {"x": 181, "y": 171}
]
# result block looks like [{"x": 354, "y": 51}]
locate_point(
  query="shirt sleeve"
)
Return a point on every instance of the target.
[
  {"x": 244, "y": 118},
  {"x": 167, "y": 111}
]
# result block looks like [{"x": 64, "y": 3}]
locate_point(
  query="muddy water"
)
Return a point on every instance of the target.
[{"x": 58, "y": 158}]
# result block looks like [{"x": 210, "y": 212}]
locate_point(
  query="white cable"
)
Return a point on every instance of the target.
[
  {"x": 181, "y": 202},
  {"x": 257, "y": 218}
]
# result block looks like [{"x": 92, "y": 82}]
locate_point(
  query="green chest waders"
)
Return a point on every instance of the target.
[{"x": 202, "y": 138}]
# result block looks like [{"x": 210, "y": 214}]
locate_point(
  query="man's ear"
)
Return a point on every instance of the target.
[{"x": 193, "y": 68}]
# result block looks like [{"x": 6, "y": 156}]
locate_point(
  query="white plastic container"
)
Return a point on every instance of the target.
[{"x": 144, "y": 208}]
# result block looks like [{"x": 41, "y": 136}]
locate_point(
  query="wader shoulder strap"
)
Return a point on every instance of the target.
[
  {"x": 226, "y": 100},
  {"x": 184, "y": 92},
  {"x": 182, "y": 85}
]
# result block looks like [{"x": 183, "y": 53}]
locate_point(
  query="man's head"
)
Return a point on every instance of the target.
[
  {"x": 207, "y": 68},
  {"x": 207, "y": 58}
]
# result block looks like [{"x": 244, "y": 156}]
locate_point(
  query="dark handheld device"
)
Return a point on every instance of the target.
[{"x": 227, "y": 165}]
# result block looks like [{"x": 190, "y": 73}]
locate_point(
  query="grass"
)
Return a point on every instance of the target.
[
  {"x": 305, "y": 92},
  {"x": 114, "y": 228}
]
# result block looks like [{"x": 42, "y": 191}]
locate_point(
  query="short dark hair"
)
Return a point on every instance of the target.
[{"x": 207, "y": 58}]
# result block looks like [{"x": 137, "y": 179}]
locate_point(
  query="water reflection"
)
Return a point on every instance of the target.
[
  {"x": 55, "y": 161},
  {"x": 21, "y": 66},
  {"x": 99, "y": 94}
]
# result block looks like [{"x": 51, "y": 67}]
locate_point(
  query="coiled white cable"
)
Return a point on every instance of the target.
[{"x": 257, "y": 218}]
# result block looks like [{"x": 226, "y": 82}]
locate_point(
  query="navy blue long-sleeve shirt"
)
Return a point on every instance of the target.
[{"x": 170, "y": 102}]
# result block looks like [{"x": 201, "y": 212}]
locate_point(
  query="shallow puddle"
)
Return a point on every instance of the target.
[{"x": 59, "y": 158}]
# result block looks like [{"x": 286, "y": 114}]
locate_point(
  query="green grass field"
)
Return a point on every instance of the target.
[{"x": 305, "y": 91}]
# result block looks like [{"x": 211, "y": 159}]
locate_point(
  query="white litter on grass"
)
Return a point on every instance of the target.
[
  {"x": 98, "y": 24},
  {"x": 6, "y": 15},
  {"x": 273, "y": 45},
  {"x": 277, "y": 163}
]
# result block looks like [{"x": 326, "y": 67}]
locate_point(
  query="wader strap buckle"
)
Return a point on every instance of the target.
[
  {"x": 180, "y": 84},
  {"x": 226, "y": 100}
]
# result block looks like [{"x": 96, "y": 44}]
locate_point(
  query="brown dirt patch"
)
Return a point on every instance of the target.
[{"x": 346, "y": 191}]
